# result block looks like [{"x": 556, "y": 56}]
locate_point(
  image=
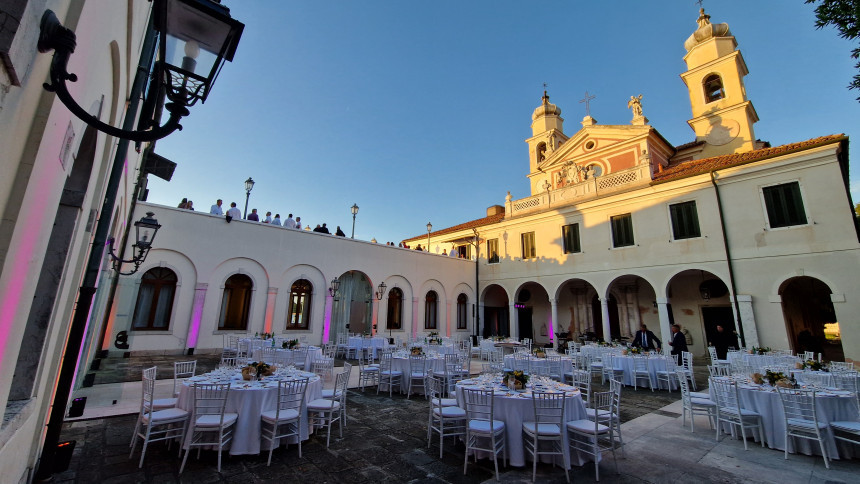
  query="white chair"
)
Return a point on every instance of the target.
[
  {"x": 481, "y": 426},
  {"x": 687, "y": 363},
  {"x": 719, "y": 371},
  {"x": 342, "y": 344},
  {"x": 641, "y": 370},
  {"x": 669, "y": 375},
  {"x": 554, "y": 364},
  {"x": 591, "y": 436},
  {"x": 300, "y": 357},
  {"x": 730, "y": 412},
  {"x": 839, "y": 366},
  {"x": 334, "y": 393},
  {"x": 210, "y": 419},
  {"x": 368, "y": 372},
  {"x": 285, "y": 419},
  {"x": 325, "y": 412},
  {"x": 417, "y": 373},
  {"x": 712, "y": 352},
  {"x": 446, "y": 418},
  {"x": 182, "y": 370},
  {"x": 547, "y": 428},
  {"x": 388, "y": 375},
  {"x": 582, "y": 381},
  {"x": 801, "y": 418},
  {"x": 323, "y": 367},
  {"x": 156, "y": 425},
  {"x": 694, "y": 405}
]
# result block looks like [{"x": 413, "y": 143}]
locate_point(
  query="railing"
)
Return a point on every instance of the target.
[{"x": 600, "y": 186}]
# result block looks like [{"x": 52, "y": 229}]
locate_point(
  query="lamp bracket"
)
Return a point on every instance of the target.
[
  {"x": 53, "y": 36},
  {"x": 137, "y": 260}
]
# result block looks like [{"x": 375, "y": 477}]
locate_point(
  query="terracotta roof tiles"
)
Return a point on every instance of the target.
[
  {"x": 492, "y": 219},
  {"x": 705, "y": 165}
]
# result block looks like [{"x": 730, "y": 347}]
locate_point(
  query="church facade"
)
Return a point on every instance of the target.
[{"x": 622, "y": 228}]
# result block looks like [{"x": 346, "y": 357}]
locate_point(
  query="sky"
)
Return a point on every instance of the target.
[{"x": 418, "y": 111}]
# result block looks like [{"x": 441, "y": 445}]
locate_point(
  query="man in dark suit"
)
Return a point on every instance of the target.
[
  {"x": 678, "y": 343},
  {"x": 646, "y": 339},
  {"x": 723, "y": 340}
]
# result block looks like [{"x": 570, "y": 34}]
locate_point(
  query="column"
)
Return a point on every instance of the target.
[
  {"x": 449, "y": 318},
  {"x": 604, "y": 313},
  {"x": 663, "y": 313},
  {"x": 553, "y": 318},
  {"x": 196, "y": 315},
  {"x": 514, "y": 321},
  {"x": 375, "y": 315},
  {"x": 414, "y": 317},
  {"x": 480, "y": 316},
  {"x": 271, "y": 297},
  {"x": 327, "y": 310},
  {"x": 747, "y": 319}
]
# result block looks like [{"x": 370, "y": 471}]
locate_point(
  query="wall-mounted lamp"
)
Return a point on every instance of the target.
[
  {"x": 380, "y": 290},
  {"x": 332, "y": 290},
  {"x": 145, "y": 230},
  {"x": 195, "y": 37}
]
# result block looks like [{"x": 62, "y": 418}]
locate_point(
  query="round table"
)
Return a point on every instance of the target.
[
  {"x": 314, "y": 353},
  {"x": 358, "y": 343},
  {"x": 654, "y": 364},
  {"x": 248, "y": 399},
  {"x": 514, "y": 408},
  {"x": 401, "y": 363}
]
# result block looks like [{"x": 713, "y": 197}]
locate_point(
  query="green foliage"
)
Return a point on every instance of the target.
[
  {"x": 857, "y": 210},
  {"x": 845, "y": 16}
]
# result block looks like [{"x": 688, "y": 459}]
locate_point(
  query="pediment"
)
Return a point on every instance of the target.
[{"x": 592, "y": 142}]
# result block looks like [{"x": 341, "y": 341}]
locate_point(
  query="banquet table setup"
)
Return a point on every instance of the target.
[
  {"x": 359, "y": 344},
  {"x": 400, "y": 362},
  {"x": 514, "y": 407},
  {"x": 249, "y": 399},
  {"x": 313, "y": 353},
  {"x": 654, "y": 364},
  {"x": 831, "y": 405}
]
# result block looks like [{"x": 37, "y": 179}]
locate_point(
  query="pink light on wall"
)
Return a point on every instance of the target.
[
  {"x": 327, "y": 326},
  {"x": 196, "y": 315}
]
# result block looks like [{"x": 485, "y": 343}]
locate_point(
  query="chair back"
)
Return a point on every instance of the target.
[
  {"x": 269, "y": 355},
  {"x": 846, "y": 380},
  {"x": 582, "y": 380},
  {"x": 553, "y": 365},
  {"x": 386, "y": 362},
  {"x": 341, "y": 383},
  {"x": 210, "y": 399},
  {"x": 227, "y": 360},
  {"x": 687, "y": 360},
  {"x": 347, "y": 368},
  {"x": 148, "y": 389},
  {"x": 719, "y": 370},
  {"x": 837, "y": 366},
  {"x": 435, "y": 391},
  {"x": 726, "y": 394},
  {"x": 615, "y": 387},
  {"x": 417, "y": 364},
  {"x": 291, "y": 395},
  {"x": 479, "y": 404},
  {"x": 684, "y": 384},
  {"x": 182, "y": 370},
  {"x": 549, "y": 408},
  {"x": 712, "y": 352},
  {"x": 798, "y": 407},
  {"x": 491, "y": 368}
]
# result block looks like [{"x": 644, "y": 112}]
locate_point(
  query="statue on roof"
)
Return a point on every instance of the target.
[{"x": 635, "y": 104}]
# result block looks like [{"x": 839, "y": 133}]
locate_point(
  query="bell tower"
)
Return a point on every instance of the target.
[
  {"x": 723, "y": 117},
  {"x": 547, "y": 132}
]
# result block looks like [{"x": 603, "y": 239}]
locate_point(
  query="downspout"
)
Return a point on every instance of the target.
[{"x": 738, "y": 323}]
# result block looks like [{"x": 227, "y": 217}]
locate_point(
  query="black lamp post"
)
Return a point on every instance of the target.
[
  {"x": 145, "y": 230},
  {"x": 429, "y": 228},
  {"x": 354, "y": 210},
  {"x": 249, "y": 185},
  {"x": 195, "y": 37}
]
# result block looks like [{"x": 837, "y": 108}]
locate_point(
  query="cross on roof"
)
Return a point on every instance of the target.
[
  {"x": 587, "y": 99},
  {"x": 700, "y": 2}
]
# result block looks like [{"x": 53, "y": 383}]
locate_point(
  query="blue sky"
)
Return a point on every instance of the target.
[{"x": 418, "y": 111}]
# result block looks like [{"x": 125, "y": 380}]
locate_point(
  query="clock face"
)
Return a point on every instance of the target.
[{"x": 722, "y": 132}]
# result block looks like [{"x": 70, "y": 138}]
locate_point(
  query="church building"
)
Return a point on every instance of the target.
[{"x": 622, "y": 228}]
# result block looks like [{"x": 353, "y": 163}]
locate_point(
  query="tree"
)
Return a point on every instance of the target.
[
  {"x": 857, "y": 210},
  {"x": 845, "y": 16}
]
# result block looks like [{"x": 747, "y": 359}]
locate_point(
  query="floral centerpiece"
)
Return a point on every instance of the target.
[
  {"x": 516, "y": 380},
  {"x": 813, "y": 365},
  {"x": 773, "y": 377},
  {"x": 434, "y": 339},
  {"x": 760, "y": 350},
  {"x": 257, "y": 370},
  {"x": 635, "y": 350},
  {"x": 416, "y": 351},
  {"x": 290, "y": 344},
  {"x": 757, "y": 378},
  {"x": 539, "y": 352}
]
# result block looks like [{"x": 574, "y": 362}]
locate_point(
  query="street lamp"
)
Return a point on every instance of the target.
[
  {"x": 145, "y": 230},
  {"x": 335, "y": 284},
  {"x": 429, "y": 228},
  {"x": 249, "y": 185},
  {"x": 354, "y": 210},
  {"x": 195, "y": 37}
]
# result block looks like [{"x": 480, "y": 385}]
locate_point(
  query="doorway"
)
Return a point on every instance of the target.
[
  {"x": 524, "y": 323},
  {"x": 496, "y": 322},
  {"x": 714, "y": 315}
]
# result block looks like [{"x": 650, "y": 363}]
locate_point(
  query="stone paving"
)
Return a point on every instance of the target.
[{"x": 385, "y": 441}]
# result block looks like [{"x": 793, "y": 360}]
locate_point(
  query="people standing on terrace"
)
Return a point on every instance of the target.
[
  {"x": 289, "y": 223},
  {"x": 277, "y": 220},
  {"x": 298, "y": 223},
  {"x": 268, "y": 218},
  {"x": 324, "y": 229},
  {"x": 183, "y": 203},
  {"x": 189, "y": 205},
  {"x": 339, "y": 232},
  {"x": 233, "y": 212},
  {"x": 216, "y": 209},
  {"x": 253, "y": 217}
]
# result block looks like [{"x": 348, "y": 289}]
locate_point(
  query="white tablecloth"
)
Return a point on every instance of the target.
[
  {"x": 249, "y": 400},
  {"x": 541, "y": 363},
  {"x": 376, "y": 344},
  {"x": 655, "y": 364},
  {"x": 314, "y": 353},
  {"x": 830, "y": 408},
  {"x": 516, "y": 408},
  {"x": 401, "y": 364}
]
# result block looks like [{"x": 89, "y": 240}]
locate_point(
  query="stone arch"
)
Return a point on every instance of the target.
[
  {"x": 810, "y": 317},
  {"x": 633, "y": 294},
  {"x": 495, "y": 308},
  {"x": 282, "y": 301},
  {"x": 698, "y": 300},
  {"x": 533, "y": 312}
]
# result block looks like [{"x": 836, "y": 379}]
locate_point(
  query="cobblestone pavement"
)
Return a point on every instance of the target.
[{"x": 385, "y": 441}]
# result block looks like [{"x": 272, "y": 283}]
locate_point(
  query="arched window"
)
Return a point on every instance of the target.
[
  {"x": 395, "y": 309},
  {"x": 541, "y": 152},
  {"x": 462, "y": 311},
  {"x": 713, "y": 88},
  {"x": 431, "y": 310},
  {"x": 236, "y": 303},
  {"x": 155, "y": 299},
  {"x": 299, "y": 315}
]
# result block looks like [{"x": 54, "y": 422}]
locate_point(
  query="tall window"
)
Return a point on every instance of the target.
[
  {"x": 713, "y": 86},
  {"x": 493, "y": 251},
  {"x": 236, "y": 303},
  {"x": 155, "y": 299},
  {"x": 622, "y": 230},
  {"x": 570, "y": 236},
  {"x": 430, "y": 310},
  {"x": 784, "y": 205},
  {"x": 528, "y": 242},
  {"x": 462, "y": 311},
  {"x": 395, "y": 309},
  {"x": 685, "y": 220},
  {"x": 299, "y": 314}
]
